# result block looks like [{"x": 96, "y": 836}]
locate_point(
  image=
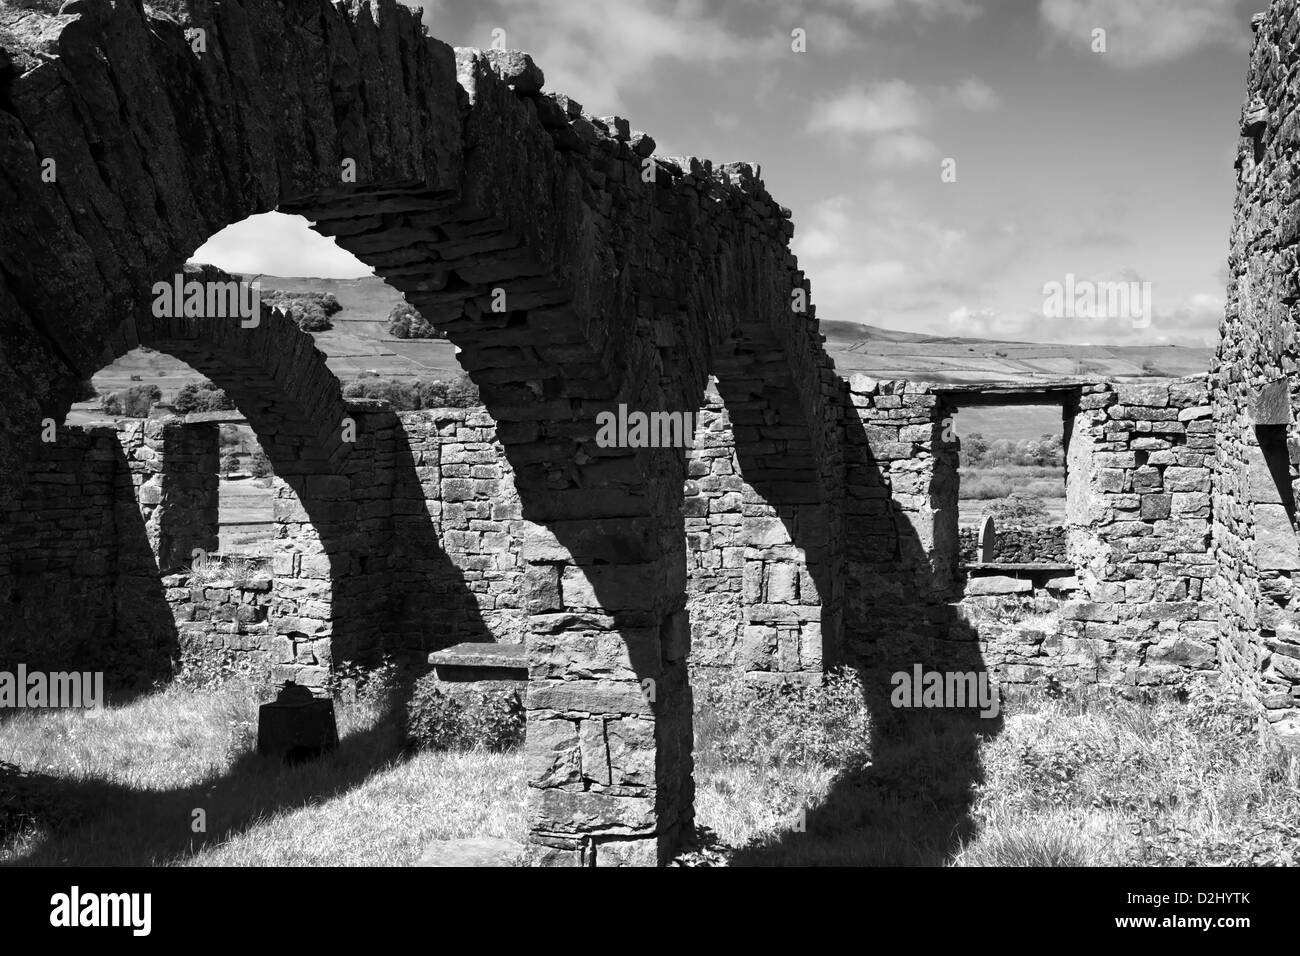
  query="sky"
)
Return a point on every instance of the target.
[{"x": 1070, "y": 155}]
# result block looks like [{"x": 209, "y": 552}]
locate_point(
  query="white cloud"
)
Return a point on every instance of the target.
[
  {"x": 886, "y": 107},
  {"x": 971, "y": 322},
  {"x": 926, "y": 9},
  {"x": 598, "y": 55},
  {"x": 281, "y": 245},
  {"x": 890, "y": 114},
  {"x": 976, "y": 95},
  {"x": 1143, "y": 32},
  {"x": 901, "y": 150}
]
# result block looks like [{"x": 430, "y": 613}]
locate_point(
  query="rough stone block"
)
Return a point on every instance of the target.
[{"x": 998, "y": 584}]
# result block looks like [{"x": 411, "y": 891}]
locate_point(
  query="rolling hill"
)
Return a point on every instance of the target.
[{"x": 360, "y": 342}]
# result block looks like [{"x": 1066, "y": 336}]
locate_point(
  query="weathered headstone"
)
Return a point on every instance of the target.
[
  {"x": 296, "y": 726},
  {"x": 988, "y": 540}
]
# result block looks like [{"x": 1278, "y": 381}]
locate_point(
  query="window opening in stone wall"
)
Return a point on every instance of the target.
[{"x": 1011, "y": 484}]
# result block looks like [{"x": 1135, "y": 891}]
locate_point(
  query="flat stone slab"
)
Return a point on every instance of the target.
[
  {"x": 476, "y": 851},
  {"x": 1066, "y": 582},
  {"x": 1000, "y": 584},
  {"x": 994, "y": 566},
  {"x": 478, "y": 661},
  {"x": 478, "y": 654}
]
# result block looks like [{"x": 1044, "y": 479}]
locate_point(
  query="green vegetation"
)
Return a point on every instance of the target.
[
  {"x": 405, "y": 322},
  {"x": 437, "y": 719},
  {"x": 1070, "y": 779},
  {"x": 259, "y": 466},
  {"x": 239, "y": 571},
  {"x": 1044, "y": 451},
  {"x": 202, "y": 397},
  {"x": 133, "y": 402},
  {"x": 412, "y": 396},
  {"x": 1017, "y": 510},
  {"x": 311, "y": 310},
  {"x": 111, "y": 790}
]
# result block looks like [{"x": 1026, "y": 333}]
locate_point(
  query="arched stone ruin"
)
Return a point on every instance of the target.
[{"x": 811, "y": 524}]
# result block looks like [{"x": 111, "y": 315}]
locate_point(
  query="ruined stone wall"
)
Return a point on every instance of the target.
[
  {"x": 79, "y": 553},
  {"x": 1134, "y": 610},
  {"x": 620, "y": 288},
  {"x": 1255, "y": 389},
  {"x": 469, "y": 495},
  {"x": 755, "y": 607},
  {"x": 58, "y": 560},
  {"x": 1017, "y": 545}
]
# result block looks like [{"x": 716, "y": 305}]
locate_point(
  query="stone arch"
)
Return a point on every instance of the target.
[
  {"x": 576, "y": 271},
  {"x": 328, "y": 562}
]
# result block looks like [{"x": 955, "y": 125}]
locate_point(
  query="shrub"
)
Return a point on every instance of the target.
[
  {"x": 487, "y": 715},
  {"x": 463, "y": 393},
  {"x": 412, "y": 396},
  {"x": 1018, "y": 510},
  {"x": 202, "y": 397},
  {"x": 985, "y": 487},
  {"x": 259, "y": 466},
  {"x": 785, "y": 724},
  {"x": 209, "y": 671},
  {"x": 133, "y": 402},
  {"x": 311, "y": 310},
  {"x": 405, "y": 322}
]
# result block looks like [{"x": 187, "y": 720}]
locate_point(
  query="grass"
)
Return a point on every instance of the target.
[
  {"x": 122, "y": 788},
  {"x": 239, "y": 571},
  {"x": 982, "y": 482},
  {"x": 1068, "y": 780},
  {"x": 822, "y": 777}
]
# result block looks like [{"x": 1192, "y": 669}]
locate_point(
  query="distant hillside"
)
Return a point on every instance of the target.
[{"x": 359, "y": 341}]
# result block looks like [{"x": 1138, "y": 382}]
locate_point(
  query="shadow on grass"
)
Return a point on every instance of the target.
[
  {"x": 92, "y": 822},
  {"x": 910, "y": 806}
]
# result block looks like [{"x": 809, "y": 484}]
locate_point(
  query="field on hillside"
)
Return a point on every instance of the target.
[
  {"x": 246, "y": 510},
  {"x": 887, "y": 354}
]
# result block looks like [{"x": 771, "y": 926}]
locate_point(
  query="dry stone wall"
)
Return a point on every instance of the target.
[
  {"x": 1133, "y": 610},
  {"x": 80, "y": 552},
  {"x": 1016, "y": 545},
  {"x": 1255, "y": 389}
]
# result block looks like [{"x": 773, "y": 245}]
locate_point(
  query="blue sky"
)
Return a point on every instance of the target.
[{"x": 1102, "y": 165}]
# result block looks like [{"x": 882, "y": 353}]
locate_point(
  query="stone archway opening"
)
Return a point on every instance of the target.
[{"x": 549, "y": 244}]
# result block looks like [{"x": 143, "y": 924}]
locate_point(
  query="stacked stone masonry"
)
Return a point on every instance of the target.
[
  {"x": 813, "y": 523},
  {"x": 1255, "y": 389}
]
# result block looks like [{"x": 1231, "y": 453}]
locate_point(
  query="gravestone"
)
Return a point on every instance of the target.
[
  {"x": 296, "y": 726},
  {"x": 988, "y": 540}
]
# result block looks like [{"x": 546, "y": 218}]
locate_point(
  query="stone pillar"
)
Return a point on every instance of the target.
[
  {"x": 302, "y": 611},
  {"x": 609, "y": 708},
  {"x": 174, "y": 473}
]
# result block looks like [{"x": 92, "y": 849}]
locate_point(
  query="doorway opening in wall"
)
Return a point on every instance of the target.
[{"x": 1011, "y": 480}]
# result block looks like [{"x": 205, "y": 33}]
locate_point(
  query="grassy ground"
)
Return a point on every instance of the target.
[
  {"x": 122, "y": 789},
  {"x": 817, "y": 779},
  {"x": 1063, "y": 782}
]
